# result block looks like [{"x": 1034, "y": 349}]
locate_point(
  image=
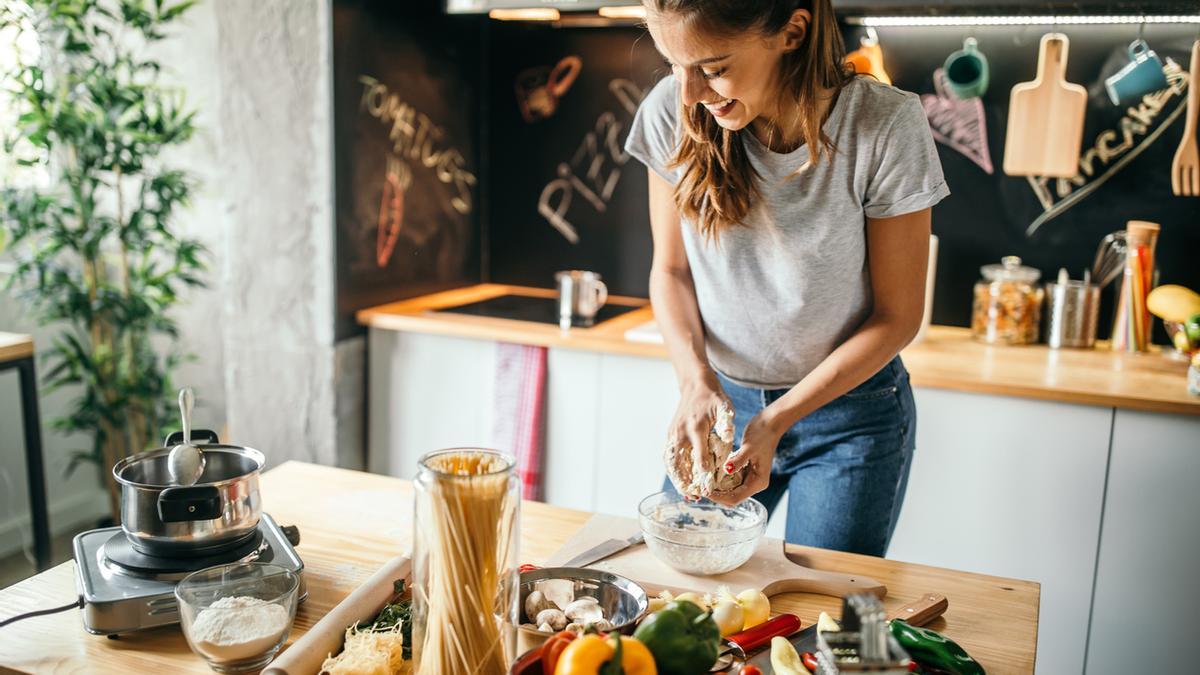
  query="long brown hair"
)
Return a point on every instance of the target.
[{"x": 719, "y": 185}]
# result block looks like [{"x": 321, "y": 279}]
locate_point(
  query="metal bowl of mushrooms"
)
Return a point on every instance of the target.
[{"x": 573, "y": 598}]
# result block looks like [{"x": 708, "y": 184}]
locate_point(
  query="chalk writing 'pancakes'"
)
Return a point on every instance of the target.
[
  {"x": 416, "y": 139},
  {"x": 1113, "y": 148}
]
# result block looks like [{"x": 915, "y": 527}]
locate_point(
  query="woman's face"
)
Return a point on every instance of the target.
[{"x": 734, "y": 78}]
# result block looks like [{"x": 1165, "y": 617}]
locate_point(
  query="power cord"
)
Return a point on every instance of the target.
[{"x": 42, "y": 612}]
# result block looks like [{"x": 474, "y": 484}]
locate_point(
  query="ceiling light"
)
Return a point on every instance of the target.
[
  {"x": 1021, "y": 20},
  {"x": 526, "y": 14},
  {"x": 628, "y": 12}
]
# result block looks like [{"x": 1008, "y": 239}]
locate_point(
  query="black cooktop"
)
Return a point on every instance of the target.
[{"x": 529, "y": 308}]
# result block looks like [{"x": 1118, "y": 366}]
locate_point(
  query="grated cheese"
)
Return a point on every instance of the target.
[{"x": 369, "y": 653}]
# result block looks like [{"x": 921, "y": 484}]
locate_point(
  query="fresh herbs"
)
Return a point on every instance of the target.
[{"x": 394, "y": 614}]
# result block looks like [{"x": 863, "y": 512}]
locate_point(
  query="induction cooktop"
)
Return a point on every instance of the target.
[{"x": 530, "y": 308}]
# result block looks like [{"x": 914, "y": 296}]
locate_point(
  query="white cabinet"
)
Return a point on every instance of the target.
[
  {"x": 426, "y": 392},
  {"x": 1144, "y": 615},
  {"x": 1012, "y": 487}
]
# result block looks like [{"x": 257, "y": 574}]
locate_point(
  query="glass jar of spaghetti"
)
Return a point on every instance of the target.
[
  {"x": 465, "y": 569},
  {"x": 1008, "y": 303}
]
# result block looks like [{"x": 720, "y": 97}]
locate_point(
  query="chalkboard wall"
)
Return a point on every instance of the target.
[
  {"x": 539, "y": 114},
  {"x": 986, "y": 217},
  {"x": 407, "y": 128}
]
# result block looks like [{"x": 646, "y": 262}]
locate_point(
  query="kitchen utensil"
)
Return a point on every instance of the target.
[
  {"x": 1131, "y": 324},
  {"x": 966, "y": 71},
  {"x": 1045, "y": 117},
  {"x": 1142, "y": 75},
  {"x": 1185, "y": 168},
  {"x": 702, "y": 537},
  {"x": 1072, "y": 311},
  {"x": 868, "y": 58},
  {"x": 217, "y": 514},
  {"x": 603, "y": 550},
  {"x": 1110, "y": 258},
  {"x": 201, "y": 593},
  {"x": 186, "y": 461},
  {"x": 917, "y": 613},
  {"x": 580, "y": 295},
  {"x": 737, "y": 647},
  {"x": 769, "y": 568},
  {"x": 309, "y": 651},
  {"x": 622, "y": 601}
]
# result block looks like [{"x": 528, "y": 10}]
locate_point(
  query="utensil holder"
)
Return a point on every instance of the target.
[
  {"x": 1072, "y": 310},
  {"x": 1131, "y": 323}
]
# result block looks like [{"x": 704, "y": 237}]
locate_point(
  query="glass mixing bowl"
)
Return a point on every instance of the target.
[{"x": 701, "y": 537}]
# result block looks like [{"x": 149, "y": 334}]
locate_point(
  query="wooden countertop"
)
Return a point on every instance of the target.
[
  {"x": 351, "y": 523},
  {"x": 15, "y": 346},
  {"x": 946, "y": 359}
]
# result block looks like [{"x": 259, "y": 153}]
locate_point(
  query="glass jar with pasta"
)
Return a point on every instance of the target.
[
  {"x": 465, "y": 570},
  {"x": 1008, "y": 303}
]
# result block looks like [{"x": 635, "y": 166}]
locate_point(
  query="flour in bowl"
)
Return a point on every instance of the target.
[{"x": 238, "y": 628}]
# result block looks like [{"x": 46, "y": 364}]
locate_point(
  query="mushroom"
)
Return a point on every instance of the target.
[
  {"x": 545, "y": 628},
  {"x": 585, "y": 610},
  {"x": 603, "y": 625},
  {"x": 575, "y": 627},
  {"x": 535, "y": 602},
  {"x": 553, "y": 617}
]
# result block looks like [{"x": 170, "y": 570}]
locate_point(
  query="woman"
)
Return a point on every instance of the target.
[{"x": 790, "y": 207}]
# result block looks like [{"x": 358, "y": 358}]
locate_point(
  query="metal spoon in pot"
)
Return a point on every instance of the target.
[{"x": 186, "y": 461}]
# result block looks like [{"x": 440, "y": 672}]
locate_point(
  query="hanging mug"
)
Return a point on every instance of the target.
[
  {"x": 538, "y": 89},
  {"x": 967, "y": 71},
  {"x": 1142, "y": 75}
]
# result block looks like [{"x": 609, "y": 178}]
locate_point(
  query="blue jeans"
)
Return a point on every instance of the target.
[{"x": 844, "y": 467}]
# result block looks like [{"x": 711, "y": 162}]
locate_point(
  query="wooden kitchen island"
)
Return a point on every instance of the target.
[{"x": 351, "y": 523}]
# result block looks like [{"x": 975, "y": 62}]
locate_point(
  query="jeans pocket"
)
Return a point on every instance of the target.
[{"x": 880, "y": 385}]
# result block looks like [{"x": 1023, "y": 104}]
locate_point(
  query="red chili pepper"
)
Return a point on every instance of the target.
[
  {"x": 809, "y": 661},
  {"x": 751, "y": 670},
  {"x": 553, "y": 648}
]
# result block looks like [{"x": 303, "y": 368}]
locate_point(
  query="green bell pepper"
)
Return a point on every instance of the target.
[
  {"x": 683, "y": 638},
  {"x": 932, "y": 649}
]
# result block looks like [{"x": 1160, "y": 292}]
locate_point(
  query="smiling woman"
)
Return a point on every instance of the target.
[{"x": 790, "y": 208}]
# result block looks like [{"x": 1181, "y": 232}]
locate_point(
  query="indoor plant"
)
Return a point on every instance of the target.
[{"x": 91, "y": 231}]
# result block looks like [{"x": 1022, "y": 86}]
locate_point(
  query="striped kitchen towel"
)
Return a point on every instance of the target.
[{"x": 519, "y": 411}]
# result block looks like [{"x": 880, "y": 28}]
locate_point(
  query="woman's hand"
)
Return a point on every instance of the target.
[
  {"x": 694, "y": 418},
  {"x": 757, "y": 453}
]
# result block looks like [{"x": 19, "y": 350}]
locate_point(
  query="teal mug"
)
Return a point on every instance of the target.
[
  {"x": 1142, "y": 75},
  {"x": 967, "y": 71}
]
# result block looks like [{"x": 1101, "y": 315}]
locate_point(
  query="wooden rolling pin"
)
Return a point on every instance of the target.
[{"x": 305, "y": 656}]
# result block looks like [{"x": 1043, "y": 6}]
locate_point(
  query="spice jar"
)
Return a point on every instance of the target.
[{"x": 1008, "y": 303}]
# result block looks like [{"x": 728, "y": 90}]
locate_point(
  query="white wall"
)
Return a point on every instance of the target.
[{"x": 260, "y": 75}]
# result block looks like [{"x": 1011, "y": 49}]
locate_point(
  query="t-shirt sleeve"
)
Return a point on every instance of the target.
[
  {"x": 653, "y": 136},
  {"x": 906, "y": 174}
]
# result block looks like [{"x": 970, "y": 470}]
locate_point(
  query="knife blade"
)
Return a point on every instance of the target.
[
  {"x": 917, "y": 613},
  {"x": 603, "y": 550}
]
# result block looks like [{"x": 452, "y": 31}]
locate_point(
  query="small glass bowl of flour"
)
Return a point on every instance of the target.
[{"x": 237, "y": 616}]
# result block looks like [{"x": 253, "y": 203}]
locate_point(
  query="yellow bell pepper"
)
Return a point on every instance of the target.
[{"x": 589, "y": 653}]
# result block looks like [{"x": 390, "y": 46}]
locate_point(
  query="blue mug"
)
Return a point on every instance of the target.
[
  {"x": 967, "y": 71},
  {"x": 1142, "y": 75}
]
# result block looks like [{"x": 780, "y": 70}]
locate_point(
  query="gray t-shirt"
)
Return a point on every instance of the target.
[{"x": 779, "y": 294}]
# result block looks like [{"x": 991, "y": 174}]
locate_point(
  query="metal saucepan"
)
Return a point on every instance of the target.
[{"x": 219, "y": 512}]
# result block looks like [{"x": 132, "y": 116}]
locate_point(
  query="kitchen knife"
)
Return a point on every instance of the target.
[
  {"x": 603, "y": 550},
  {"x": 917, "y": 613},
  {"x": 736, "y": 647}
]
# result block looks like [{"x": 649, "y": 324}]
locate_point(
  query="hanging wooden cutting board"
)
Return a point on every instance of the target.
[
  {"x": 769, "y": 569},
  {"x": 1045, "y": 117}
]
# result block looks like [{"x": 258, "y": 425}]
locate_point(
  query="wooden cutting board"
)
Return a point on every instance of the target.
[
  {"x": 769, "y": 569},
  {"x": 1045, "y": 117}
]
